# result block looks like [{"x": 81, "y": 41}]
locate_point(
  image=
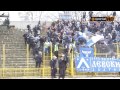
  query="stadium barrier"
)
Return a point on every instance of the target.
[{"x": 44, "y": 71}]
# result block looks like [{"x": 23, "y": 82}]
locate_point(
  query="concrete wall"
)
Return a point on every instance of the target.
[{"x": 23, "y": 24}]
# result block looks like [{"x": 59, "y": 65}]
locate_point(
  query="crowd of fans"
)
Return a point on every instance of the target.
[
  {"x": 76, "y": 33},
  {"x": 69, "y": 34}
]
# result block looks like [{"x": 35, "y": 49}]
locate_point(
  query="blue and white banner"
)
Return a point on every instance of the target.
[
  {"x": 86, "y": 52},
  {"x": 65, "y": 17},
  {"x": 97, "y": 64},
  {"x": 94, "y": 39}
]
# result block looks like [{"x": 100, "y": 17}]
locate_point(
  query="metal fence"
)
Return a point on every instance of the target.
[{"x": 44, "y": 71}]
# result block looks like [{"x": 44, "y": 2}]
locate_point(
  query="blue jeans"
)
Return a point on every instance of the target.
[{"x": 46, "y": 50}]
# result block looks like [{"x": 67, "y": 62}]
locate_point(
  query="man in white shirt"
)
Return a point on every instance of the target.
[{"x": 46, "y": 45}]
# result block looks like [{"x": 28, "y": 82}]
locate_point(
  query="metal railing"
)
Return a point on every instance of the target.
[{"x": 44, "y": 71}]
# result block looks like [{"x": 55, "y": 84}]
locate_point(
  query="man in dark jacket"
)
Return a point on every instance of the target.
[
  {"x": 35, "y": 31},
  {"x": 53, "y": 67},
  {"x": 7, "y": 23},
  {"x": 114, "y": 35},
  {"x": 84, "y": 15},
  {"x": 62, "y": 68},
  {"x": 35, "y": 51},
  {"x": 38, "y": 59},
  {"x": 66, "y": 58},
  {"x": 56, "y": 49},
  {"x": 25, "y": 38},
  {"x": 114, "y": 13},
  {"x": 42, "y": 40},
  {"x": 31, "y": 42},
  {"x": 29, "y": 29}
]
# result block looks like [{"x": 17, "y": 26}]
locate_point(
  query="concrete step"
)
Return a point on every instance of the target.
[
  {"x": 15, "y": 52},
  {"x": 17, "y": 47},
  {"x": 4, "y": 35},
  {"x": 12, "y": 39},
  {"x": 9, "y": 42},
  {"x": 13, "y": 44},
  {"x": 20, "y": 50},
  {"x": 10, "y": 36},
  {"x": 2, "y": 42},
  {"x": 19, "y": 63},
  {"x": 18, "y": 56},
  {"x": 22, "y": 66},
  {"x": 11, "y": 52},
  {"x": 19, "y": 59},
  {"x": 13, "y": 30},
  {"x": 13, "y": 47}
]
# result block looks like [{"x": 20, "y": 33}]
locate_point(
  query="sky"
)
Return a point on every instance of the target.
[{"x": 46, "y": 15}]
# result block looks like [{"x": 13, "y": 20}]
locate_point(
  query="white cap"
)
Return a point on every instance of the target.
[
  {"x": 40, "y": 52},
  {"x": 54, "y": 57},
  {"x": 63, "y": 55}
]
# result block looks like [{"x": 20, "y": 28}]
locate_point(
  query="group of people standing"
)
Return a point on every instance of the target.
[
  {"x": 33, "y": 39},
  {"x": 62, "y": 65}
]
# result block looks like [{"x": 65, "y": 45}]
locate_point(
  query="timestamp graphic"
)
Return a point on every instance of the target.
[{"x": 102, "y": 19}]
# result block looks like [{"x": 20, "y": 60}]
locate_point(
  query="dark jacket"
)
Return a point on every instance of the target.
[
  {"x": 53, "y": 63},
  {"x": 62, "y": 64},
  {"x": 35, "y": 50},
  {"x": 114, "y": 36},
  {"x": 42, "y": 40},
  {"x": 38, "y": 58},
  {"x": 66, "y": 58},
  {"x": 25, "y": 36},
  {"x": 114, "y": 13}
]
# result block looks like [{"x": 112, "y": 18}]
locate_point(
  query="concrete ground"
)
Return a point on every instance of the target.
[{"x": 81, "y": 77}]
